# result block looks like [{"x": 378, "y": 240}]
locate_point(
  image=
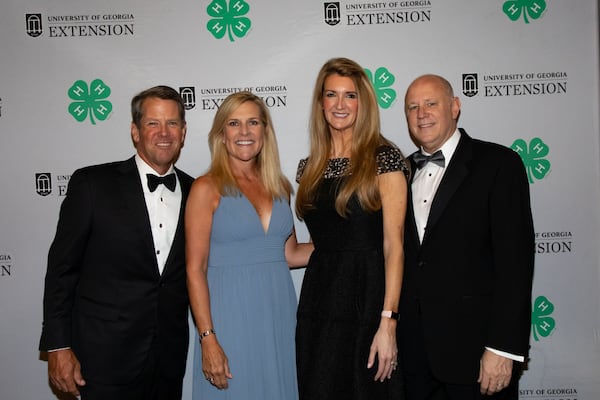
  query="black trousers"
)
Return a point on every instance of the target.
[
  {"x": 427, "y": 387},
  {"x": 420, "y": 383},
  {"x": 151, "y": 384}
]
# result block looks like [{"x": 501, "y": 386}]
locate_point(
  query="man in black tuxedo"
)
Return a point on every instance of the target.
[
  {"x": 465, "y": 307},
  {"x": 115, "y": 299}
]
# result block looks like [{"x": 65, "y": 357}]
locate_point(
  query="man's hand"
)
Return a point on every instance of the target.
[
  {"x": 495, "y": 372},
  {"x": 64, "y": 371}
]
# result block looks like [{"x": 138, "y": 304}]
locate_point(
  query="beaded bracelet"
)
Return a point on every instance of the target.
[{"x": 206, "y": 333}]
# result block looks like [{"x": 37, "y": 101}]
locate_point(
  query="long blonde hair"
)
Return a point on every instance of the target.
[
  {"x": 267, "y": 160},
  {"x": 366, "y": 138}
]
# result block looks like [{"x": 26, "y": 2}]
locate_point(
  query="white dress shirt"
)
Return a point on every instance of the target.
[
  {"x": 426, "y": 182},
  {"x": 163, "y": 209}
]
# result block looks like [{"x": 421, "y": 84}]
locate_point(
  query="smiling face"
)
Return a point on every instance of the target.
[
  {"x": 160, "y": 135},
  {"x": 340, "y": 103},
  {"x": 243, "y": 134},
  {"x": 431, "y": 112}
]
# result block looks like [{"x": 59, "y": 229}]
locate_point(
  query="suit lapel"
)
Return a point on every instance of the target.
[
  {"x": 411, "y": 226},
  {"x": 133, "y": 194},
  {"x": 453, "y": 177}
]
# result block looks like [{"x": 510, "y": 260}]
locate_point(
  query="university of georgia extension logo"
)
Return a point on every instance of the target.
[
  {"x": 470, "y": 84},
  {"x": 332, "y": 13},
  {"x": 43, "y": 183},
  {"x": 188, "y": 95},
  {"x": 532, "y": 8},
  {"x": 542, "y": 324},
  {"x": 89, "y": 100},
  {"x": 382, "y": 81},
  {"x": 33, "y": 24},
  {"x": 533, "y": 157},
  {"x": 228, "y": 17}
]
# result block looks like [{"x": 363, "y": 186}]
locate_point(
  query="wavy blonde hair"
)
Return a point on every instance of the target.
[
  {"x": 267, "y": 160},
  {"x": 366, "y": 138}
]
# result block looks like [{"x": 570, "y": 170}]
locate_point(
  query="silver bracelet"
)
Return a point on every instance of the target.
[{"x": 204, "y": 334}]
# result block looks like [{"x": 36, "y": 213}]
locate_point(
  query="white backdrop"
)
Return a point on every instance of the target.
[{"x": 527, "y": 72}]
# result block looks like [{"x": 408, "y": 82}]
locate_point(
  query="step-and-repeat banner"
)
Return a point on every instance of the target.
[{"x": 525, "y": 70}]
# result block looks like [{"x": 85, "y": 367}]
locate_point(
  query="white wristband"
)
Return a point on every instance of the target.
[{"x": 390, "y": 314}]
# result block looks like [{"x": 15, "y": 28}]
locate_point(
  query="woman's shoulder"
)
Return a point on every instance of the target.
[
  {"x": 205, "y": 184},
  {"x": 204, "y": 195},
  {"x": 206, "y": 179},
  {"x": 390, "y": 159}
]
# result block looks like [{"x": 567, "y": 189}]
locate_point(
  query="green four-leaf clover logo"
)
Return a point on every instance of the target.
[
  {"x": 542, "y": 324},
  {"x": 228, "y": 17},
  {"x": 531, "y": 8},
  {"x": 382, "y": 82},
  {"x": 89, "y": 101},
  {"x": 533, "y": 157}
]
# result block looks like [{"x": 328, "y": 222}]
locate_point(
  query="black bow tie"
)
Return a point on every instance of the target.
[
  {"x": 421, "y": 159},
  {"x": 168, "y": 180}
]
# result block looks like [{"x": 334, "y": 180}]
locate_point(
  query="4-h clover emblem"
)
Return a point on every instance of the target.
[
  {"x": 542, "y": 324},
  {"x": 228, "y": 17},
  {"x": 533, "y": 157},
  {"x": 89, "y": 101},
  {"x": 531, "y": 8},
  {"x": 382, "y": 82}
]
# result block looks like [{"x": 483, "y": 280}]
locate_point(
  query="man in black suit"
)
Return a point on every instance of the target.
[
  {"x": 115, "y": 298},
  {"x": 465, "y": 307}
]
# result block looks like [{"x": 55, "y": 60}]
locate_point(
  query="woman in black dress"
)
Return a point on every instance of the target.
[{"x": 352, "y": 196}]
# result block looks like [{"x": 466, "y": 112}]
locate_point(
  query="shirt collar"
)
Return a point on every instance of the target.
[
  {"x": 448, "y": 147},
  {"x": 144, "y": 168}
]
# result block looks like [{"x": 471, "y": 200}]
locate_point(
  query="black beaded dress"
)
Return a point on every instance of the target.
[{"x": 342, "y": 294}]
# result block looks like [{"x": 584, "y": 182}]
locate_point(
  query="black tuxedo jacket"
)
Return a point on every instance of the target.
[
  {"x": 104, "y": 296},
  {"x": 468, "y": 285}
]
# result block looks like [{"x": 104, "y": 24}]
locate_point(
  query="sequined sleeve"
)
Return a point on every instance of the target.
[
  {"x": 389, "y": 159},
  {"x": 300, "y": 169}
]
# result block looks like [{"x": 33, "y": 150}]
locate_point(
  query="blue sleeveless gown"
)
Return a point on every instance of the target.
[{"x": 253, "y": 304}]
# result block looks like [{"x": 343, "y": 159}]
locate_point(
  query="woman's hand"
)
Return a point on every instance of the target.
[
  {"x": 215, "y": 365},
  {"x": 384, "y": 347}
]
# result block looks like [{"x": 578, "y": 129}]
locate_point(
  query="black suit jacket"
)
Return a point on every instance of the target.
[
  {"x": 104, "y": 296},
  {"x": 469, "y": 282}
]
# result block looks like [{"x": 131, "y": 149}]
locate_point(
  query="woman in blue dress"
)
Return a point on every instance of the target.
[{"x": 240, "y": 241}]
